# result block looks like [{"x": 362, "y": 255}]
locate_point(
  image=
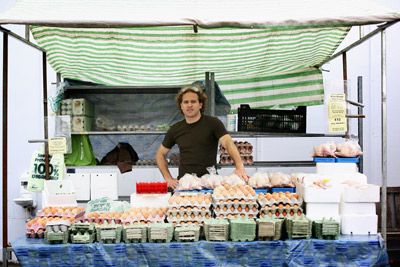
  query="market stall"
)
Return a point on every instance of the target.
[{"x": 316, "y": 35}]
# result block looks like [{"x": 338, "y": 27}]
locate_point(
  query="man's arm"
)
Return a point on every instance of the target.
[
  {"x": 163, "y": 166},
  {"x": 227, "y": 142}
]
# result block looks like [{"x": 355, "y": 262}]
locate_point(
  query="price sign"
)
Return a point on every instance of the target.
[
  {"x": 337, "y": 113},
  {"x": 58, "y": 145}
]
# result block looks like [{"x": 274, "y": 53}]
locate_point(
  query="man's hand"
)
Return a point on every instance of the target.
[
  {"x": 172, "y": 183},
  {"x": 242, "y": 174}
]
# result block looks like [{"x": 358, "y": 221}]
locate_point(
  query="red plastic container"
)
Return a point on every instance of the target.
[{"x": 151, "y": 188}]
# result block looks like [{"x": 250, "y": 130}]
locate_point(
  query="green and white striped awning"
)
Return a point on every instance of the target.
[
  {"x": 273, "y": 66},
  {"x": 263, "y": 52}
]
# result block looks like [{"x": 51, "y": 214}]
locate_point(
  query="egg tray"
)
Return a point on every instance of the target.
[
  {"x": 298, "y": 228},
  {"x": 83, "y": 233},
  {"x": 242, "y": 230},
  {"x": 281, "y": 213},
  {"x": 189, "y": 213},
  {"x": 186, "y": 202},
  {"x": 198, "y": 219},
  {"x": 41, "y": 213},
  {"x": 216, "y": 230},
  {"x": 235, "y": 212},
  {"x": 101, "y": 220},
  {"x": 291, "y": 201},
  {"x": 269, "y": 229},
  {"x": 160, "y": 232},
  {"x": 219, "y": 200},
  {"x": 235, "y": 216},
  {"x": 236, "y": 207},
  {"x": 155, "y": 219},
  {"x": 187, "y": 233},
  {"x": 30, "y": 233},
  {"x": 326, "y": 229},
  {"x": 281, "y": 206},
  {"x": 109, "y": 234},
  {"x": 190, "y": 205},
  {"x": 134, "y": 233}
]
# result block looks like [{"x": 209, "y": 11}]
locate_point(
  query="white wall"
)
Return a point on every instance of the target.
[{"x": 25, "y": 109}]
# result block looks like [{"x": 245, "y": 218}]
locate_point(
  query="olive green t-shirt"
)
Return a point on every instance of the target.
[{"x": 197, "y": 142}]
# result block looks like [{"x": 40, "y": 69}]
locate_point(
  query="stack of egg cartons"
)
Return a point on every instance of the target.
[
  {"x": 82, "y": 115},
  {"x": 358, "y": 210},
  {"x": 66, "y": 107}
]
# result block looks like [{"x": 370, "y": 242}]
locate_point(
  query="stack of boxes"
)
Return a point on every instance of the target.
[{"x": 81, "y": 112}]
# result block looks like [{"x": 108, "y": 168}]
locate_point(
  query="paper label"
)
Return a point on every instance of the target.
[
  {"x": 57, "y": 145},
  {"x": 337, "y": 113},
  {"x": 100, "y": 204}
]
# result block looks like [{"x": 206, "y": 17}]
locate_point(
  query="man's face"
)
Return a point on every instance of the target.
[{"x": 190, "y": 105}]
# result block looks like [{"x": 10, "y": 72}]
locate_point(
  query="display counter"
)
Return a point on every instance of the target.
[{"x": 346, "y": 251}]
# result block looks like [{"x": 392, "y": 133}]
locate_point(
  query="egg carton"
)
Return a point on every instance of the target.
[
  {"x": 57, "y": 232},
  {"x": 109, "y": 233},
  {"x": 282, "y": 213},
  {"x": 83, "y": 233},
  {"x": 243, "y": 230},
  {"x": 160, "y": 232},
  {"x": 216, "y": 230},
  {"x": 326, "y": 229},
  {"x": 187, "y": 233},
  {"x": 134, "y": 233},
  {"x": 188, "y": 208},
  {"x": 281, "y": 206},
  {"x": 60, "y": 212},
  {"x": 269, "y": 228},
  {"x": 298, "y": 227}
]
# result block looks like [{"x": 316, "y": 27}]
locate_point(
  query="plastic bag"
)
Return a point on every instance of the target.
[{"x": 82, "y": 152}]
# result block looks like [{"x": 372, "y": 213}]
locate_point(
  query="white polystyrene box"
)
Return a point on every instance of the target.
[
  {"x": 350, "y": 208},
  {"x": 103, "y": 185},
  {"x": 311, "y": 193},
  {"x": 150, "y": 200},
  {"x": 81, "y": 182},
  {"x": 60, "y": 193},
  {"x": 329, "y": 168},
  {"x": 318, "y": 211},
  {"x": 361, "y": 193},
  {"x": 334, "y": 178},
  {"x": 357, "y": 224}
]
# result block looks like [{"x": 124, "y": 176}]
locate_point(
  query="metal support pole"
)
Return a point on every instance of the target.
[
  {"x": 360, "y": 120},
  {"x": 5, "y": 142},
  {"x": 345, "y": 89},
  {"x": 384, "y": 137},
  {"x": 212, "y": 94},
  {"x": 45, "y": 126}
]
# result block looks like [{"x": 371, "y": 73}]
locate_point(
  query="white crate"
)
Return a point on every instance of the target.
[
  {"x": 350, "y": 208},
  {"x": 81, "y": 182},
  {"x": 150, "y": 200},
  {"x": 60, "y": 193},
  {"x": 359, "y": 224},
  {"x": 103, "y": 185},
  {"x": 318, "y": 211},
  {"x": 361, "y": 193},
  {"x": 331, "y": 194},
  {"x": 329, "y": 168}
]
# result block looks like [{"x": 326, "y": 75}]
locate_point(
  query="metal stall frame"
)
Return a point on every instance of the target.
[
  {"x": 6, "y": 34},
  {"x": 381, "y": 29}
]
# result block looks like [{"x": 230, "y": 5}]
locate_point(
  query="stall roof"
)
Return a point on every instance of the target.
[
  {"x": 263, "y": 52},
  {"x": 205, "y": 13}
]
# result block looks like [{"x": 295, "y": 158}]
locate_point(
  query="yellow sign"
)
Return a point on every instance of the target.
[
  {"x": 57, "y": 145},
  {"x": 337, "y": 113}
]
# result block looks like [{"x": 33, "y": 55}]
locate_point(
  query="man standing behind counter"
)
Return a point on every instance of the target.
[{"x": 197, "y": 137}]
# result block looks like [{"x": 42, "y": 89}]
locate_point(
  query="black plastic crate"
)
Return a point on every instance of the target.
[{"x": 272, "y": 120}]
